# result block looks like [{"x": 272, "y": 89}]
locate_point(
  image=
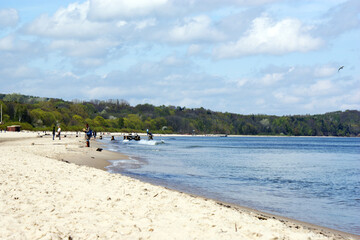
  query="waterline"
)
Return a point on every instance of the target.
[{"x": 309, "y": 179}]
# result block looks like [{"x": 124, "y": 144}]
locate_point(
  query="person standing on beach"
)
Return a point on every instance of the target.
[
  {"x": 54, "y": 133},
  {"x": 59, "y": 132},
  {"x": 88, "y": 134}
]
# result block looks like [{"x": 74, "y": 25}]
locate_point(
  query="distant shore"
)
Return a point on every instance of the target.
[{"x": 44, "y": 195}]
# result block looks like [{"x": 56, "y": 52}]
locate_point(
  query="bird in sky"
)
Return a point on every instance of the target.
[{"x": 340, "y": 68}]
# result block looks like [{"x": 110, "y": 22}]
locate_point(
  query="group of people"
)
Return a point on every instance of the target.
[{"x": 88, "y": 134}]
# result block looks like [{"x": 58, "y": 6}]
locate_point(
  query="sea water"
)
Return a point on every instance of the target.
[{"x": 311, "y": 179}]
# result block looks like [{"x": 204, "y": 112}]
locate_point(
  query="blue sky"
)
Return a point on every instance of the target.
[{"x": 276, "y": 57}]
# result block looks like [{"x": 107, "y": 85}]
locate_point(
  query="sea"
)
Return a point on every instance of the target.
[{"x": 311, "y": 179}]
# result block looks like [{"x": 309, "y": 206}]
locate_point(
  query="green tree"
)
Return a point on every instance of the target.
[
  {"x": 15, "y": 97},
  {"x": 133, "y": 121},
  {"x": 120, "y": 122},
  {"x": 77, "y": 120},
  {"x": 79, "y": 109},
  {"x": 21, "y": 112},
  {"x": 100, "y": 122}
]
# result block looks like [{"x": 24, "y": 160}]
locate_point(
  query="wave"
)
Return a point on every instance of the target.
[
  {"x": 151, "y": 142},
  {"x": 145, "y": 142}
]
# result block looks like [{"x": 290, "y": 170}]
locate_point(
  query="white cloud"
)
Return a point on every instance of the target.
[
  {"x": 86, "y": 63},
  {"x": 286, "y": 98},
  {"x": 70, "y": 32},
  {"x": 331, "y": 103},
  {"x": 16, "y": 51},
  {"x": 194, "y": 49},
  {"x": 345, "y": 107},
  {"x": 341, "y": 18},
  {"x": 173, "y": 61},
  {"x": 213, "y": 91},
  {"x": 161, "y": 49},
  {"x": 78, "y": 48},
  {"x": 351, "y": 100},
  {"x": 7, "y": 43},
  {"x": 268, "y": 37},
  {"x": 208, "y": 5},
  {"x": 145, "y": 23},
  {"x": 272, "y": 78},
  {"x": 195, "y": 29},
  {"x": 260, "y": 101},
  {"x": 118, "y": 9},
  {"x": 322, "y": 87},
  {"x": 355, "y": 96},
  {"x": 70, "y": 75},
  {"x": 120, "y": 24},
  {"x": 18, "y": 73},
  {"x": 241, "y": 82},
  {"x": 8, "y": 17},
  {"x": 248, "y": 2},
  {"x": 103, "y": 92},
  {"x": 324, "y": 71},
  {"x": 170, "y": 80},
  {"x": 70, "y": 22}
]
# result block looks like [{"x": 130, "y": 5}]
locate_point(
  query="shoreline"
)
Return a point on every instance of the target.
[
  {"x": 88, "y": 160},
  {"x": 237, "y": 206},
  {"x": 291, "y": 222},
  {"x": 92, "y": 158},
  {"x": 261, "y": 215}
]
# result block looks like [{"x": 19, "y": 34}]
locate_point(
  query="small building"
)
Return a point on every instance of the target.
[{"x": 14, "y": 128}]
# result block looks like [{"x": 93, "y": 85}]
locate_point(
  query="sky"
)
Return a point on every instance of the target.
[{"x": 276, "y": 57}]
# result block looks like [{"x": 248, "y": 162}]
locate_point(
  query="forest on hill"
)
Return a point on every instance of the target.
[{"x": 35, "y": 113}]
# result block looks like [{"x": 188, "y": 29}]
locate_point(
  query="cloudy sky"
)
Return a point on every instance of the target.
[{"x": 244, "y": 56}]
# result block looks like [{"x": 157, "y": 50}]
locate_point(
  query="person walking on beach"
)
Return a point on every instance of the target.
[
  {"x": 59, "y": 132},
  {"x": 88, "y": 134},
  {"x": 54, "y": 133}
]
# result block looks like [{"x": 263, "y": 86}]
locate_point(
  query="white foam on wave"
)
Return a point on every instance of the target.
[
  {"x": 122, "y": 164},
  {"x": 144, "y": 142},
  {"x": 151, "y": 142}
]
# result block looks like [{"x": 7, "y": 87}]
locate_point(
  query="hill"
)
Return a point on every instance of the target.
[{"x": 35, "y": 113}]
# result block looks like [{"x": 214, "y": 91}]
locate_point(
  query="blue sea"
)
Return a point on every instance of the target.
[{"x": 311, "y": 179}]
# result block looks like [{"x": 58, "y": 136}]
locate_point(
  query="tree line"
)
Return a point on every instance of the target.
[{"x": 35, "y": 113}]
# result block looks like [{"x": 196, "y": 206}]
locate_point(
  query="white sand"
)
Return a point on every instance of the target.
[{"x": 43, "y": 198}]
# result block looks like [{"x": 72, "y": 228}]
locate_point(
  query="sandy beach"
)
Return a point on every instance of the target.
[{"x": 59, "y": 189}]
